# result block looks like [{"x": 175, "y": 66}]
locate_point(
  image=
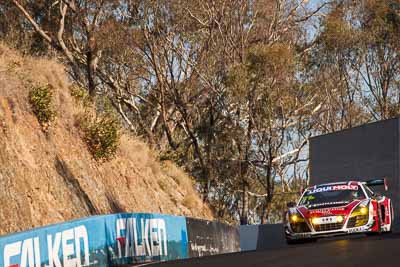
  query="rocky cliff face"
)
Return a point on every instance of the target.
[{"x": 50, "y": 177}]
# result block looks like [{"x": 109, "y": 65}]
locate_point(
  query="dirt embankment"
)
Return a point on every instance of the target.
[{"x": 50, "y": 178}]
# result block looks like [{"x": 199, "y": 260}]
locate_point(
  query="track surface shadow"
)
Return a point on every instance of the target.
[{"x": 382, "y": 250}]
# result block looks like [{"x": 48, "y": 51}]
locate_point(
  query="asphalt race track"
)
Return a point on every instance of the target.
[{"x": 383, "y": 250}]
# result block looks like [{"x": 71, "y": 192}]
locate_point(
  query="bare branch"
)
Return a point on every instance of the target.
[{"x": 33, "y": 23}]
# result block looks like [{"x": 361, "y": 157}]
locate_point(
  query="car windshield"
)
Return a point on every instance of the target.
[{"x": 331, "y": 195}]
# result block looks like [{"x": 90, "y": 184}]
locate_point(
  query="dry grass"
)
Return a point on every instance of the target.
[
  {"x": 179, "y": 176},
  {"x": 51, "y": 177},
  {"x": 190, "y": 197},
  {"x": 191, "y": 201}
]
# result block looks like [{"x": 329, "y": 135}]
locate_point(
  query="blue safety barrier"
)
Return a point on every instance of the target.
[
  {"x": 133, "y": 238},
  {"x": 98, "y": 241}
]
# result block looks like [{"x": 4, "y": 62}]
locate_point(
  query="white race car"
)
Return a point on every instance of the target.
[{"x": 338, "y": 208}]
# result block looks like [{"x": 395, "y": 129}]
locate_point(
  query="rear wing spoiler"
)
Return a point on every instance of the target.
[{"x": 376, "y": 182}]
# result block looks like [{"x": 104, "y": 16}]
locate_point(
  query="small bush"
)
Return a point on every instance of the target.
[
  {"x": 80, "y": 95},
  {"x": 41, "y": 100},
  {"x": 101, "y": 134}
]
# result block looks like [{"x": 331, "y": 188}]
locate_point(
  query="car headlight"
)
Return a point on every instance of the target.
[
  {"x": 364, "y": 210},
  {"x": 296, "y": 218},
  {"x": 314, "y": 220},
  {"x": 359, "y": 216},
  {"x": 297, "y": 223},
  {"x": 361, "y": 210}
]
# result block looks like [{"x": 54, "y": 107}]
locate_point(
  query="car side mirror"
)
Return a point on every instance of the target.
[
  {"x": 291, "y": 204},
  {"x": 376, "y": 195}
]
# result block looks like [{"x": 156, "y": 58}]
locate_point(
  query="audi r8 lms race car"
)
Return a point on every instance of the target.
[{"x": 338, "y": 208}]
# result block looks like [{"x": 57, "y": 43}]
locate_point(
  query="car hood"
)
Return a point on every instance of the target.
[{"x": 328, "y": 209}]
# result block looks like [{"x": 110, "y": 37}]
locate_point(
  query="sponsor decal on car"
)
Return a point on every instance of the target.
[
  {"x": 356, "y": 230},
  {"x": 329, "y": 203},
  {"x": 326, "y": 220},
  {"x": 332, "y": 188},
  {"x": 327, "y": 210},
  {"x": 302, "y": 235}
]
